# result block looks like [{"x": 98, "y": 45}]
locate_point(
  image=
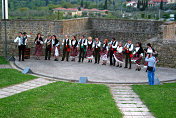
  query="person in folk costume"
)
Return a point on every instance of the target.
[
  {"x": 90, "y": 49},
  {"x": 21, "y": 47},
  {"x": 104, "y": 52},
  {"x": 48, "y": 43},
  {"x": 66, "y": 47},
  {"x": 149, "y": 50},
  {"x": 113, "y": 47},
  {"x": 74, "y": 48},
  {"x": 56, "y": 47},
  {"x": 118, "y": 55},
  {"x": 128, "y": 53},
  {"x": 82, "y": 48},
  {"x": 39, "y": 46},
  {"x": 97, "y": 49},
  {"x": 137, "y": 56}
]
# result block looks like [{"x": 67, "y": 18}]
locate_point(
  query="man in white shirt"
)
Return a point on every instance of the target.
[
  {"x": 128, "y": 52},
  {"x": 82, "y": 48},
  {"x": 113, "y": 47},
  {"x": 22, "y": 41},
  {"x": 97, "y": 45},
  {"x": 66, "y": 47}
]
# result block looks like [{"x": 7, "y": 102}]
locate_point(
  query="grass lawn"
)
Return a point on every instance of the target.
[
  {"x": 3, "y": 60},
  {"x": 11, "y": 76},
  {"x": 61, "y": 100},
  {"x": 161, "y": 100}
]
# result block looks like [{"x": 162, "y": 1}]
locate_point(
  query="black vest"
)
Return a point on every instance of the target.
[
  {"x": 68, "y": 46},
  {"x": 90, "y": 45},
  {"x": 83, "y": 44}
]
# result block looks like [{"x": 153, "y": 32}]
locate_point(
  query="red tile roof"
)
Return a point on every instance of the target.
[
  {"x": 75, "y": 9},
  {"x": 159, "y": 0}
]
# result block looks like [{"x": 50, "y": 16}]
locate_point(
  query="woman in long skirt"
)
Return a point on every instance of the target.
[
  {"x": 119, "y": 55},
  {"x": 137, "y": 56},
  {"x": 104, "y": 52},
  {"x": 74, "y": 48},
  {"x": 56, "y": 47},
  {"x": 149, "y": 50},
  {"x": 39, "y": 46},
  {"x": 90, "y": 49}
]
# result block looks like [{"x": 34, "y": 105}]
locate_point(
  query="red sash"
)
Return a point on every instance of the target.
[
  {"x": 128, "y": 51},
  {"x": 112, "y": 49},
  {"x": 68, "y": 49}
]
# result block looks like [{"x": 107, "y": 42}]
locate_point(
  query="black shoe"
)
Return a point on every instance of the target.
[
  {"x": 62, "y": 60},
  {"x": 137, "y": 69},
  {"x": 55, "y": 60},
  {"x": 129, "y": 67},
  {"x": 88, "y": 61},
  {"x": 146, "y": 71},
  {"x": 120, "y": 66},
  {"x": 117, "y": 66},
  {"x": 125, "y": 67}
]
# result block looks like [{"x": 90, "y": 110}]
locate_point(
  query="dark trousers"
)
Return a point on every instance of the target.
[
  {"x": 81, "y": 54},
  {"x": 65, "y": 53},
  {"x": 21, "y": 50},
  {"x": 111, "y": 58},
  {"x": 127, "y": 58},
  {"x": 47, "y": 50},
  {"x": 97, "y": 56}
]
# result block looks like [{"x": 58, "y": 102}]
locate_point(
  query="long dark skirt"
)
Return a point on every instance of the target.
[
  {"x": 38, "y": 50},
  {"x": 118, "y": 57},
  {"x": 137, "y": 58},
  {"x": 74, "y": 52},
  {"x": 89, "y": 53}
]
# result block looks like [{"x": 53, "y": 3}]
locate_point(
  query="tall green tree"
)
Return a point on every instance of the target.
[
  {"x": 82, "y": 3},
  {"x": 106, "y": 4},
  {"x": 161, "y": 5}
]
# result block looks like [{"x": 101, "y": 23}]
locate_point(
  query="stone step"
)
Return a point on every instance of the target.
[
  {"x": 126, "y": 96},
  {"x": 124, "y": 93},
  {"x": 128, "y": 102},
  {"x": 134, "y": 109},
  {"x": 127, "y": 99},
  {"x": 137, "y": 113}
]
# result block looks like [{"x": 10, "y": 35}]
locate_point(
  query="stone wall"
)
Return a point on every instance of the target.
[
  {"x": 166, "y": 52},
  {"x": 123, "y": 30},
  {"x": 59, "y": 28}
]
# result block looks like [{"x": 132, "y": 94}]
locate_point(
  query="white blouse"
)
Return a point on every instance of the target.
[{"x": 119, "y": 49}]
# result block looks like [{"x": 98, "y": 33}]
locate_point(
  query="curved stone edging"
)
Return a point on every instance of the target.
[{"x": 72, "y": 80}]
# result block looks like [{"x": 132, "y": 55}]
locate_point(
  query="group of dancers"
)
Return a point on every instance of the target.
[{"x": 87, "y": 48}]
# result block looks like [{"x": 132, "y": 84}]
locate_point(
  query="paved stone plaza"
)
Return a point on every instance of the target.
[{"x": 94, "y": 72}]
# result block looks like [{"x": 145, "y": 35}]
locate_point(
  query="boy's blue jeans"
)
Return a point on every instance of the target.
[{"x": 151, "y": 76}]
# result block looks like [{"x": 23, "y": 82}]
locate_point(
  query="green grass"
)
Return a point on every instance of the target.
[
  {"x": 161, "y": 100},
  {"x": 11, "y": 76},
  {"x": 61, "y": 100},
  {"x": 3, "y": 60}
]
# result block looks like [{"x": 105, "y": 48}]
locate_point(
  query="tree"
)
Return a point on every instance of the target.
[
  {"x": 161, "y": 5},
  {"x": 59, "y": 15},
  {"x": 106, "y": 4},
  {"x": 82, "y": 3}
]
